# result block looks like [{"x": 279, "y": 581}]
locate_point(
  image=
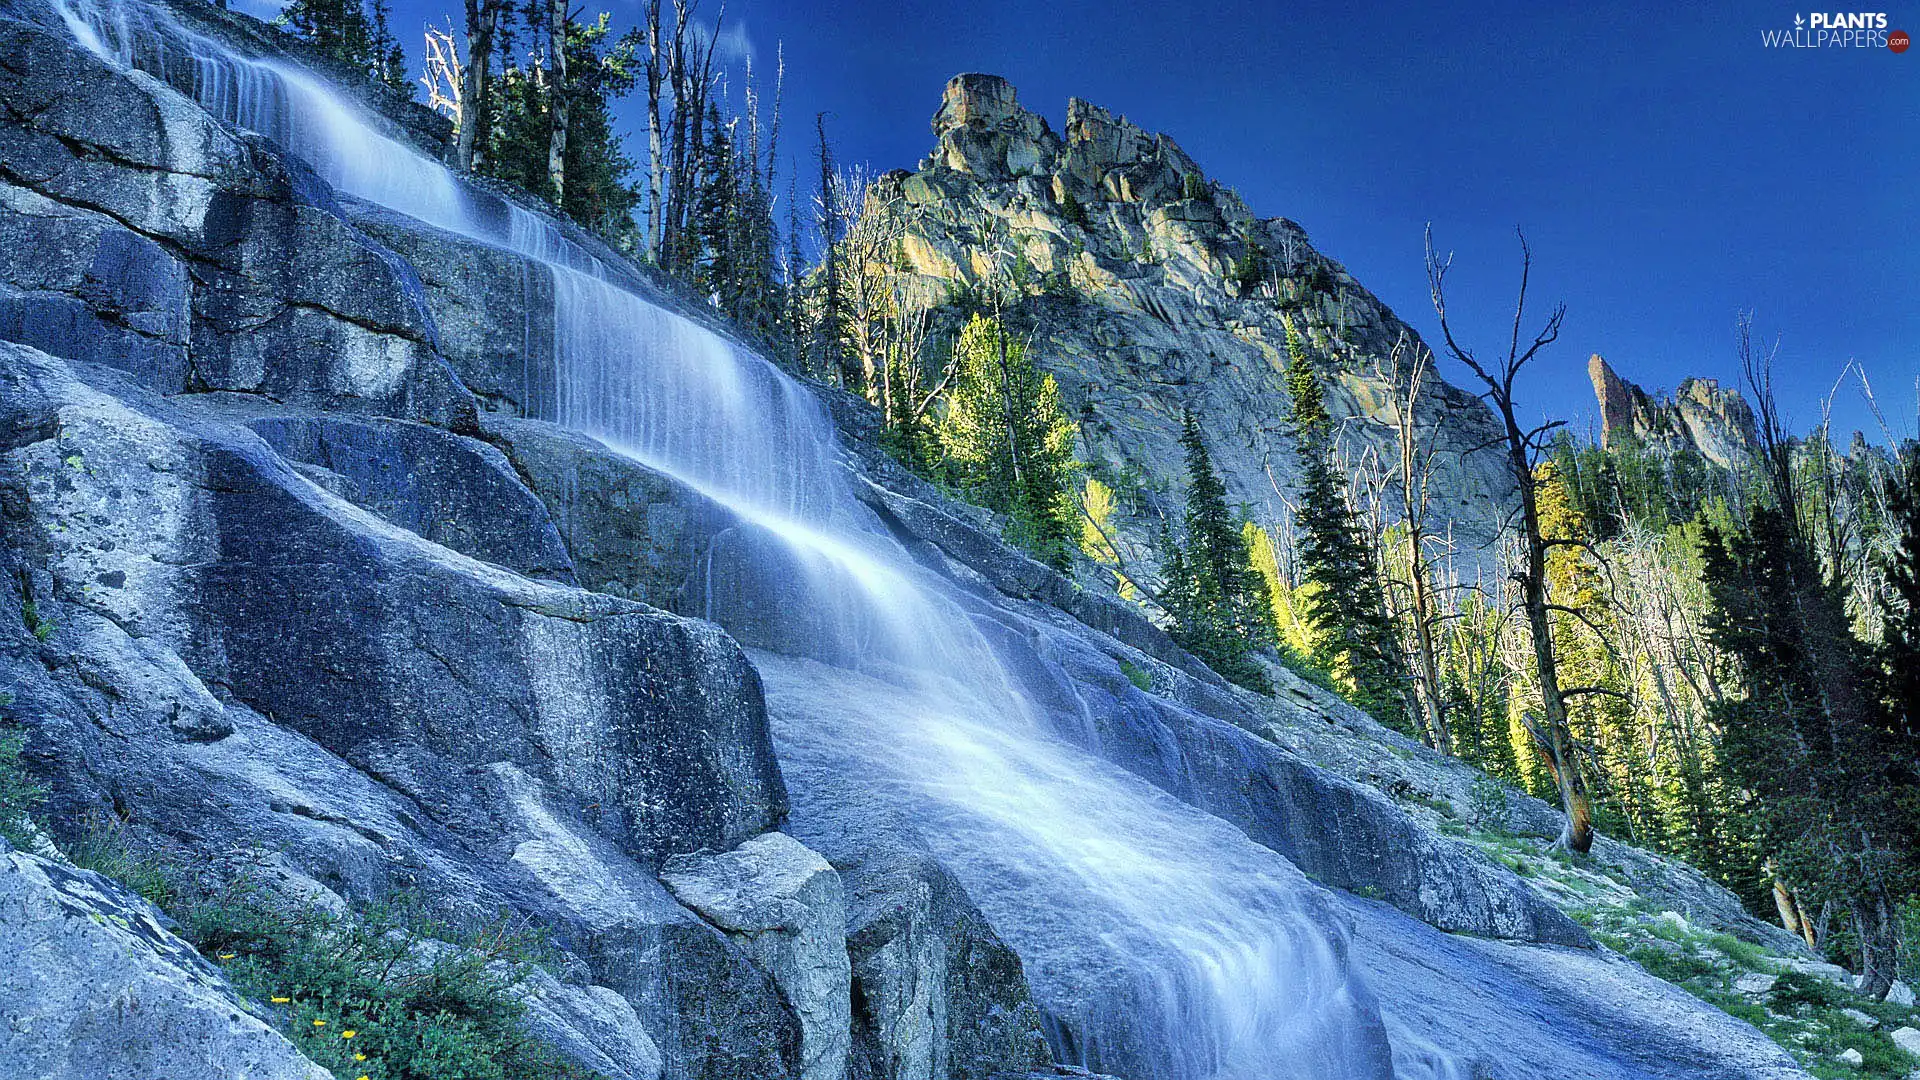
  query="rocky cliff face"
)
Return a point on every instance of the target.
[
  {"x": 1155, "y": 290},
  {"x": 303, "y": 581},
  {"x": 1702, "y": 416}
]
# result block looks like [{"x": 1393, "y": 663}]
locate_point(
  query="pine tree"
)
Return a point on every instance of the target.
[
  {"x": 796, "y": 324},
  {"x": 1008, "y": 441},
  {"x": 1900, "y": 603},
  {"x": 346, "y": 31},
  {"x": 906, "y": 434},
  {"x": 600, "y": 192},
  {"x": 1810, "y": 736},
  {"x": 714, "y": 228},
  {"x": 1354, "y": 638},
  {"x": 1831, "y": 770},
  {"x": 387, "y": 59},
  {"x": 756, "y": 302},
  {"x": 1217, "y": 598},
  {"x": 830, "y": 328}
]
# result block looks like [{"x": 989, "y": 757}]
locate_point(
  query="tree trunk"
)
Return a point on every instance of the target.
[
  {"x": 1873, "y": 921},
  {"x": 656, "y": 167},
  {"x": 1791, "y": 917},
  {"x": 1006, "y": 398},
  {"x": 557, "y": 59},
  {"x": 1556, "y": 738},
  {"x": 1430, "y": 692},
  {"x": 482, "y": 18}
]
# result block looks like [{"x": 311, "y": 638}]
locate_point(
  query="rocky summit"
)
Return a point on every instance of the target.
[
  {"x": 371, "y": 533},
  {"x": 1699, "y": 416},
  {"x": 1158, "y": 291}
]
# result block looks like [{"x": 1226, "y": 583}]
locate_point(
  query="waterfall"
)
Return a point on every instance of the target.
[{"x": 1164, "y": 944}]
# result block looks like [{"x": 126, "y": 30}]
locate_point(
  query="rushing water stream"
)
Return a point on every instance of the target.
[{"x": 1165, "y": 945}]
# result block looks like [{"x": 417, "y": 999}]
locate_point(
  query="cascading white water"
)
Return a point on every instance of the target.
[{"x": 1165, "y": 943}]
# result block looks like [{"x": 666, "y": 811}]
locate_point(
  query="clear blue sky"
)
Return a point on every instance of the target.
[{"x": 1669, "y": 169}]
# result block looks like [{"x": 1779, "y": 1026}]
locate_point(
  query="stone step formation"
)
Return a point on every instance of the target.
[{"x": 337, "y": 583}]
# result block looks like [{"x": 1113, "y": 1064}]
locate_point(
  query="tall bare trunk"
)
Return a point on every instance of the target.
[
  {"x": 656, "y": 166},
  {"x": 483, "y": 16},
  {"x": 1555, "y": 736},
  {"x": 1552, "y": 735},
  {"x": 557, "y": 60},
  {"x": 1873, "y": 921},
  {"x": 1429, "y": 658}
]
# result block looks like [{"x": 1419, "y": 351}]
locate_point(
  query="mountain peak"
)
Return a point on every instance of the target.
[
  {"x": 1702, "y": 416},
  {"x": 1152, "y": 290}
]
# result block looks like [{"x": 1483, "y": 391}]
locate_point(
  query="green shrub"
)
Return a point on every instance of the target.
[
  {"x": 1744, "y": 953},
  {"x": 20, "y": 795},
  {"x": 1675, "y": 967},
  {"x": 1746, "y": 1010},
  {"x": 1136, "y": 674},
  {"x": 42, "y": 629},
  {"x": 389, "y": 993},
  {"x": 1488, "y": 798},
  {"x": 104, "y": 848},
  {"x": 1075, "y": 211},
  {"x": 1250, "y": 268},
  {"x": 385, "y": 994},
  {"x": 1795, "y": 988},
  {"x": 1667, "y": 930},
  {"x": 1308, "y": 668},
  {"x": 1193, "y": 186}
]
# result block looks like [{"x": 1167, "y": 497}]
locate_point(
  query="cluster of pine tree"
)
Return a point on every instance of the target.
[
  {"x": 1215, "y": 596},
  {"x": 1005, "y": 440},
  {"x": 531, "y": 91},
  {"x": 354, "y": 32},
  {"x": 1735, "y": 653}
]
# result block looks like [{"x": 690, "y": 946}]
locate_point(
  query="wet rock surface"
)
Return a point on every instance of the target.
[{"x": 319, "y": 596}]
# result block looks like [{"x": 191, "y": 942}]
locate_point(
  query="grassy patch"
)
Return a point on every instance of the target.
[
  {"x": 41, "y": 628},
  {"x": 20, "y": 795},
  {"x": 389, "y": 993},
  {"x": 1136, "y": 675}
]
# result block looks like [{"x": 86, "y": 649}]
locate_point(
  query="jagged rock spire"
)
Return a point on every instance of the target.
[{"x": 1701, "y": 415}]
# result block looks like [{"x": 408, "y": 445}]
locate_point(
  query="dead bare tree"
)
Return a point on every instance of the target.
[
  {"x": 872, "y": 229},
  {"x": 442, "y": 75},
  {"x": 557, "y": 73},
  {"x": 656, "y": 73},
  {"x": 1405, "y": 371},
  {"x": 1551, "y": 732}
]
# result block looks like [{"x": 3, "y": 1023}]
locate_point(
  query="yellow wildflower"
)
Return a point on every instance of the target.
[
  {"x": 348, "y": 1034},
  {"x": 359, "y": 1057},
  {"x": 281, "y": 1001},
  {"x": 226, "y": 956},
  {"x": 319, "y": 1023}
]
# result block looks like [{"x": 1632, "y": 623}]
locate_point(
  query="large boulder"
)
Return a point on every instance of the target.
[
  {"x": 247, "y": 667},
  {"x": 455, "y": 491},
  {"x": 785, "y": 905},
  {"x": 630, "y": 530},
  {"x": 193, "y": 256},
  {"x": 95, "y": 988}
]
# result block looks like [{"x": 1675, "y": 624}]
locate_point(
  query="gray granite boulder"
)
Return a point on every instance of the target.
[
  {"x": 786, "y": 907},
  {"x": 95, "y": 988}
]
